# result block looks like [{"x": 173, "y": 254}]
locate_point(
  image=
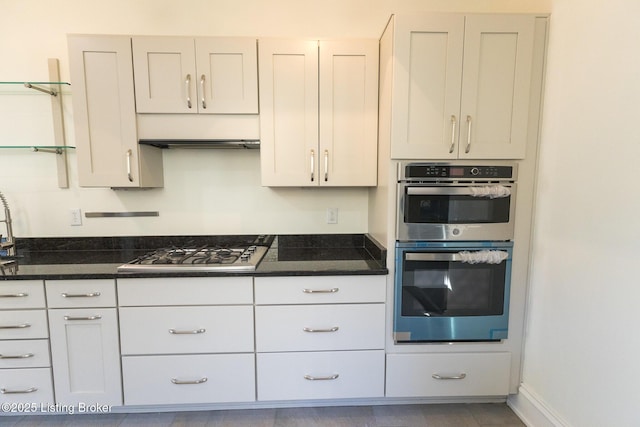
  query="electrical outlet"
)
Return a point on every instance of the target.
[
  {"x": 332, "y": 215},
  {"x": 75, "y": 217}
]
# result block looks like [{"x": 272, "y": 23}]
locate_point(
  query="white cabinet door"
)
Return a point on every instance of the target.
[
  {"x": 105, "y": 116},
  {"x": 427, "y": 85},
  {"x": 461, "y": 86},
  {"x": 85, "y": 355},
  {"x": 180, "y": 330},
  {"x": 206, "y": 75},
  {"x": 288, "y": 76},
  {"x": 318, "y": 112},
  {"x": 24, "y": 354},
  {"x": 28, "y": 386},
  {"x": 448, "y": 374},
  {"x": 81, "y": 293},
  {"x": 348, "y": 149},
  {"x": 320, "y": 375},
  {"x": 320, "y": 327},
  {"x": 183, "y": 379},
  {"x": 498, "y": 60},
  {"x": 23, "y": 324},
  {"x": 227, "y": 75},
  {"x": 21, "y": 294}
]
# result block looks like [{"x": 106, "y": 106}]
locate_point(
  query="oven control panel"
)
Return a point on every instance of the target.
[{"x": 447, "y": 171}]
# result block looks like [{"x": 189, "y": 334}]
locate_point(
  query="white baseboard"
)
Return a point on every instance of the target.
[{"x": 532, "y": 410}]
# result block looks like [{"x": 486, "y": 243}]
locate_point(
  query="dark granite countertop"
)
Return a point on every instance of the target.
[{"x": 288, "y": 255}]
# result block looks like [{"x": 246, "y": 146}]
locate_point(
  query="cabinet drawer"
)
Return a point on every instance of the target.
[
  {"x": 185, "y": 291},
  {"x": 321, "y": 375},
  {"x": 19, "y": 294},
  {"x": 446, "y": 374},
  {"x": 320, "y": 327},
  {"x": 26, "y": 386},
  {"x": 156, "y": 380},
  {"x": 179, "y": 330},
  {"x": 24, "y": 354},
  {"x": 80, "y": 293},
  {"x": 23, "y": 324},
  {"x": 320, "y": 289}
]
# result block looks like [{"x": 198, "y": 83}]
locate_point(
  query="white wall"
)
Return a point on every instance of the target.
[
  {"x": 582, "y": 345},
  {"x": 197, "y": 197}
]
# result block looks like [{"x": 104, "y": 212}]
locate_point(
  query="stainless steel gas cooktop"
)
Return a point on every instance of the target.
[{"x": 233, "y": 258}]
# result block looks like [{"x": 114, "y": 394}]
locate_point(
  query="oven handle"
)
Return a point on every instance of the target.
[
  {"x": 490, "y": 191},
  {"x": 475, "y": 257}
]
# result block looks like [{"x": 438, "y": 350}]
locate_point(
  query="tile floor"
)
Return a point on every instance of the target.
[{"x": 435, "y": 415}]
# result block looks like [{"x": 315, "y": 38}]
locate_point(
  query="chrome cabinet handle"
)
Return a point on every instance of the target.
[
  {"x": 326, "y": 165},
  {"x": 19, "y": 295},
  {"x": 20, "y": 326},
  {"x": 187, "y": 83},
  {"x": 204, "y": 104},
  {"x": 94, "y": 317},
  {"x": 89, "y": 295},
  {"x": 313, "y": 165},
  {"x": 334, "y": 329},
  {"x": 17, "y": 356},
  {"x": 129, "y": 175},
  {"x": 449, "y": 377},
  {"x": 187, "y": 332},
  {"x": 186, "y": 382},
  {"x": 453, "y": 133},
  {"x": 329, "y": 378},
  {"x": 321, "y": 291},
  {"x": 29, "y": 390},
  {"x": 466, "y": 150}
]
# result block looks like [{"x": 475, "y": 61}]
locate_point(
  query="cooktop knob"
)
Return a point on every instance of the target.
[{"x": 475, "y": 171}]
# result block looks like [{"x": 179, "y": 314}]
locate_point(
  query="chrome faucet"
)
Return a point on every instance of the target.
[{"x": 10, "y": 243}]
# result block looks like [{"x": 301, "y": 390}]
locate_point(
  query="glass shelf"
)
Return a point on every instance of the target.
[
  {"x": 58, "y": 149},
  {"x": 39, "y": 86},
  {"x": 35, "y": 83}
]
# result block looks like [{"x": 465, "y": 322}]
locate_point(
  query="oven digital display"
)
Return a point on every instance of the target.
[{"x": 456, "y": 172}]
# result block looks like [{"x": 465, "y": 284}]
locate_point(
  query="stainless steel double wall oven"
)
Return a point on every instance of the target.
[{"x": 455, "y": 225}]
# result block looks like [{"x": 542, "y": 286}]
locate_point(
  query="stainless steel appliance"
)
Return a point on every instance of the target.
[
  {"x": 455, "y": 225},
  {"x": 447, "y": 201},
  {"x": 229, "y": 256},
  {"x": 452, "y": 291}
]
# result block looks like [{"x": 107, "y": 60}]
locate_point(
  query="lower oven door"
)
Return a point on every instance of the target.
[{"x": 452, "y": 291}]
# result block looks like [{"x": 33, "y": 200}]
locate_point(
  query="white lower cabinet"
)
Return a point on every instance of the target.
[
  {"x": 32, "y": 386},
  {"x": 84, "y": 342},
  {"x": 320, "y": 375},
  {"x": 187, "y": 340},
  {"x": 175, "y": 379},
  {"x": 25, "y": 366},
  {"x": 448, "y": 374}
]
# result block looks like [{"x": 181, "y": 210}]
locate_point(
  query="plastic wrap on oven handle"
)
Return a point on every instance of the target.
[
  {"x": 490, "y": 191},
  {"x": 483, "y": 257}
]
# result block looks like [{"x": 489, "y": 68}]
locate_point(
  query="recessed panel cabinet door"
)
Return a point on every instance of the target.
[
  {"x": 165, "y": 74},
  {"x": 427, "y": 85},
  {"x": 498, "y": 58},
  {"x": 348, "y": 113},
  {"x": 289, "y": 112}
]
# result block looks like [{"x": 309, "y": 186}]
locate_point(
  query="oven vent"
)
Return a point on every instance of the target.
[{"x": 202, "y": 143}]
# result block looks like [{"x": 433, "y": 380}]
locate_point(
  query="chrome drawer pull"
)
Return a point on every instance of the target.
[
  {"x": 20, "y": 295},
  {"x": 94, "y": 317},
  {"x": 186, "y": 382},
  {"x": 29, "y": 390},
  {"x": 312, "y": 378},
  {"x": 449, "y": 377},
  {"x": 17, "y": 356},
  {"x": 89, "y": 295},
  {"x": 20, "y": 326},
  {"x": 193, "y": 332},
  {"x": 334, "y": 329},
  {"x": 321, "y": 291}
]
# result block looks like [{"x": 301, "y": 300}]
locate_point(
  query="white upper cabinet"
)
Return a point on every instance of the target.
[
  {"x": 462, "y": 86},
  {"x": 318, "y": 112},
  {"x": 105, "y": 116},
  {"x": 208, "y": 75}
]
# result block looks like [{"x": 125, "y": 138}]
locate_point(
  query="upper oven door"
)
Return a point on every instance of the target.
[{"x": 455, "y": 211}]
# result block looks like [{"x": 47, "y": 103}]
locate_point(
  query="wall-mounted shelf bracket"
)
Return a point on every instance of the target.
[{"x": 41, "y": 89}]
